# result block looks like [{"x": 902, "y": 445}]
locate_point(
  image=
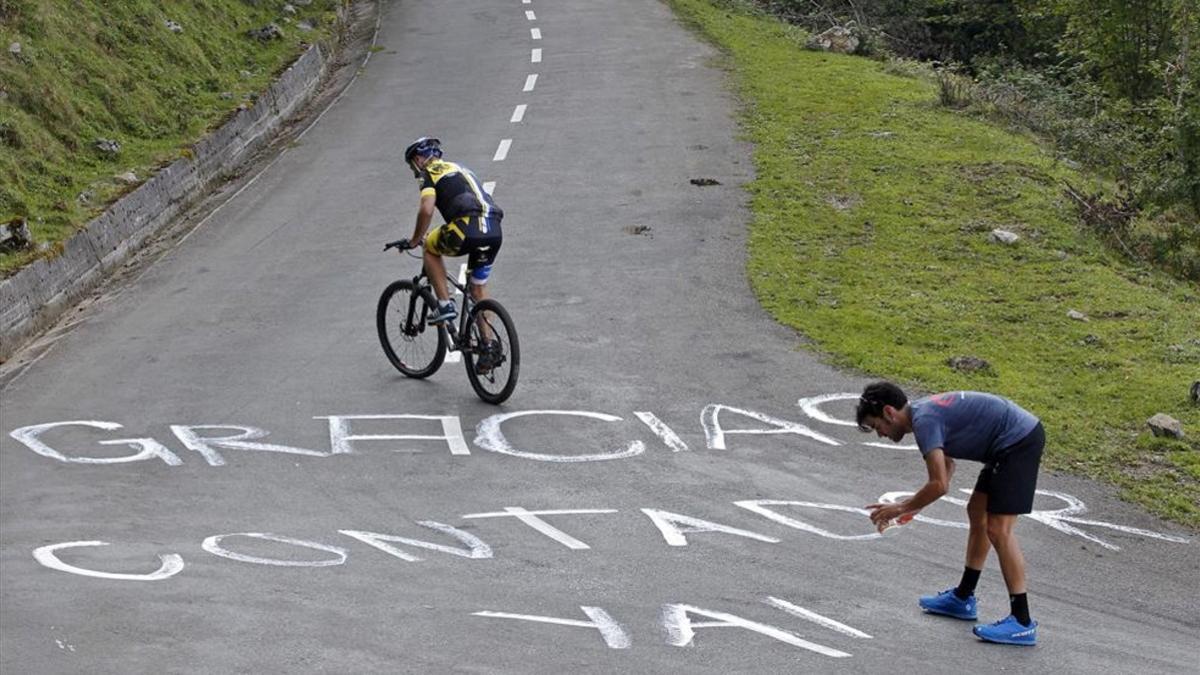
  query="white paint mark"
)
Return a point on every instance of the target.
[
  {"x": 612, "y": 632},
  {"x": 475, "y": 549},
  {"x": 341, "y": 440},
  {"x": 660, "y": 428},
  {"x": 681, "y": 629},
  {"x": 796, "y": 610},
  {"x": 809, "y": 406},
  {"x": 535, "y": 33},
  {"x": 1059, "y": 518},
  {"x": 502, "y": 151},
  {"x": 710, "y": 420},
  {"x": 170, "y": 563},
  {"x": 535, "y": 56},
  {"x": 530, "y": 81},
  {"x": 489, "y": 187},
  {"x": 489, "y": 437},
  {"x": 667, "y": 524},
  {"x": 213, "y": 546},
  {"x": 518, "y": 114},
  {"x": 525, "y": 2},
  {"x": 207, "y": 446},
  {"x": 148, "y": 448},
  {"x": 531, "y": 519},
  {"x": 899, "y": 496},
  {"x": 759, "y": 506},
  {"x": 530, "y": 16}
]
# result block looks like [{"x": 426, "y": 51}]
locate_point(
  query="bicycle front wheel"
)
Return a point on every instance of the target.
[
  {"x": 492, "y": 353},
  {"x": 414, "y": 347}
]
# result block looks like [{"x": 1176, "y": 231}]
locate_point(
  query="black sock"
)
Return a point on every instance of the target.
[
  {"x": 966, "y": 587},
  {"x": 1020, "y": 608}
]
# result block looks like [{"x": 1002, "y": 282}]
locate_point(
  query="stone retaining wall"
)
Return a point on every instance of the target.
[{"x": 36, "y": 296}]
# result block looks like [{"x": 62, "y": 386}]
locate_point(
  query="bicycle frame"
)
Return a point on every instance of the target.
[{"x": 457, "y": 334}]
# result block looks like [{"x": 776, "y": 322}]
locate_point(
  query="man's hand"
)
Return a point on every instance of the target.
[
  {"x": 401, "y": 244},
  {"x": 882, "y": 514}
]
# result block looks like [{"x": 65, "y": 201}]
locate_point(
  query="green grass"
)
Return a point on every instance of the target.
[
  {"x": 89, "y": 69},
  {"x": 871, "y": 209}
]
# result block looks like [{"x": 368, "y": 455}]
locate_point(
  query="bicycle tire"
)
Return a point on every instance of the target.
[
  {"x": 413, "y": 354},
  {"x": 498, "y": 383}
]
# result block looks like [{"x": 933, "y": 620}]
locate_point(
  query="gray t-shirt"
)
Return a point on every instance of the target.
[{"x": 969, "y": 424}]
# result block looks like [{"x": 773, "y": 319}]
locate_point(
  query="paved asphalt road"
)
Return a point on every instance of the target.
[{"x": 289, "y": 546}]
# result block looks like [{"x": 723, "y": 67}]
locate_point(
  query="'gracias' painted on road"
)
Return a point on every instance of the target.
[{"x": 211, "y": 441}]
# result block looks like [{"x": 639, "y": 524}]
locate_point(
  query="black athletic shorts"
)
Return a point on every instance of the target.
[
  {"x": 472, "y": 235},
  {"x": 1011, "y": 479}
]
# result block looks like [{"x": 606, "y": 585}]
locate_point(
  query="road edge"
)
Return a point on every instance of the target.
[{"x": 38, "y": 295}]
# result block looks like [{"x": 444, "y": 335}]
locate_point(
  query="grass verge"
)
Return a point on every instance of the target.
[
  {"x": 872, "y": 208},
  {"x": 152, "y": 76}
]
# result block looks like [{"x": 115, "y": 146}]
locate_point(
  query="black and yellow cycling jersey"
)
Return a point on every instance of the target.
[{"x": 458, "y": 192}]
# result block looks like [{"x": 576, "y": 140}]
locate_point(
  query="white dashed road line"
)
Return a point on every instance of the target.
[
  {"x": 535, "y": 56},
  {"x": 518, "y": 113},
  {"x": 530, "y": 82},
  {"x": 530, "y": 15},
  {"x": 502, "y": 151},
  {"x": 535, "y": 33}
]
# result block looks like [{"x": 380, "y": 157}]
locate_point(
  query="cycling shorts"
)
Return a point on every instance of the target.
[{"x": 476, "y": 237}]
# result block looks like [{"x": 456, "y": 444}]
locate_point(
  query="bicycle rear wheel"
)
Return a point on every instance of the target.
[
  {"x": 492, "y": 337},
  {"x": 414, "y": 347}
]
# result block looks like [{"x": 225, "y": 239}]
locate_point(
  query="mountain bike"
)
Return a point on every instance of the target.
[{"x": 485, "y": 335}]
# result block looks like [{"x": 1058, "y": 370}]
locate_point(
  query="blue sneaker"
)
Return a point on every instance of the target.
[
  {"x": 1008, "y": 631},
  {"x": 444, "y": 313},
  {"x": 947, "y": 603}
]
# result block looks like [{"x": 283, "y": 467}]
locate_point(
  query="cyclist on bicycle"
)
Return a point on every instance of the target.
[{"x": 472, "y": 226}]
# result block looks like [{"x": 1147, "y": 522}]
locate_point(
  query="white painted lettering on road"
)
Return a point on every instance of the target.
[
  {"x": 531, "y": 519},
  {"x": 148, "y": 448},
  {"x": 710, "y": 420},
  {"x": 214, "y": 546},
  {"x": 681, "y": 629},
  {"x": 489, "y": 437},
  {"x": 820, "y": 620},
  {"x": 759, "y": 506},
  {"x": 207, "y": 446},
  {"x": 475, "y": 549},
  {"x": 170, "y": 563},
  {"x": 660, "y": 428},
  {"x": 810, "y": 407},
  {"x": 341, "y": 441},
  {"x": 668, "y": 523},
  {"x": 613, "y": 634}
]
